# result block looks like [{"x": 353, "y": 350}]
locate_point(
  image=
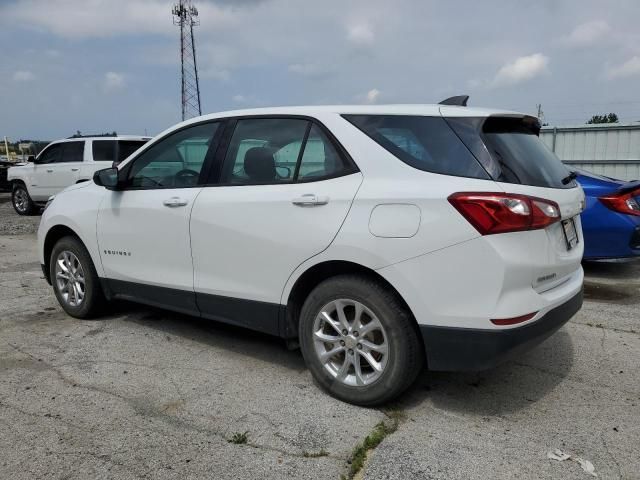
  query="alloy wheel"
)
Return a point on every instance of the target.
[
  {"x": 350, "y": 342},
  {"x": 21, "y": 200},
  {"x": 70, "y": 278}
]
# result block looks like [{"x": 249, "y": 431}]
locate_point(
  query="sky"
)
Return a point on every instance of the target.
[{"x": 105, "y": 65}]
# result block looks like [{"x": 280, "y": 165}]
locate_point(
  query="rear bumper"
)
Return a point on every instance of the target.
[{"x": 466, "y": 349}]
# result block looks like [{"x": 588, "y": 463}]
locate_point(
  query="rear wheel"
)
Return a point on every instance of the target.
[
  {"x": 21, "y": 200},
  {"x": 74, "y": 279},
  {"x": 359, "y": 341}
]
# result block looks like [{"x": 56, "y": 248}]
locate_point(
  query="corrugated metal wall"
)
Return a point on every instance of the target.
[{"x": 608, "y": 149}]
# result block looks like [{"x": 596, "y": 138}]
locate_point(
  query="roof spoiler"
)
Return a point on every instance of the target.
[{"x": 458, "y": 100}]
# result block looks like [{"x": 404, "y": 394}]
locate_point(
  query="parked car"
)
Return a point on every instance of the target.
[
  {"x": 63, "y": 163},
  {"x": 377, "y": 236},
  {"x": 611, "y": 220},
  {"x": 4, "y": 183}
]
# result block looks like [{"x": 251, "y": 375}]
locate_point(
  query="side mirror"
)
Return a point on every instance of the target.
[
  {"x": 31, "y": 159},
  {"x": 107, "y": 178}
]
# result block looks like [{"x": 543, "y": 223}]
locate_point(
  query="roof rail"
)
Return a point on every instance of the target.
[
  {"x": 458, "y": 100},
  {"x": 79, "y": 135}
]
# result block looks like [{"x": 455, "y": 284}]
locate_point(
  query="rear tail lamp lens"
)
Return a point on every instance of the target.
[
  {"x": 623, "y": 202},
  {"x": 492, "y": 213}
]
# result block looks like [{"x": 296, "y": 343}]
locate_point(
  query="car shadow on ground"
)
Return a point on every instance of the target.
[
  {"x": 628, "y": 269},
  {"x": 214, "y": 334},
  {"x": 506, "y": 389}
]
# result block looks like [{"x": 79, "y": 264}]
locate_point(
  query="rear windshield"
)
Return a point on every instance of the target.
[
  {"x": 115, "y": 150},
  {"x": 510, "y": 150},
  {"x": 426, "y": 143},
  {"x": 500, "y": 148}
]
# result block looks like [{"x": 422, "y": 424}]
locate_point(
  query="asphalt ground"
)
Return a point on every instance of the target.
[{"x": 145, "y": 393}]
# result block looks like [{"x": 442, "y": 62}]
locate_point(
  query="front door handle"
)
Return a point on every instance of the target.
[
  {"x": 75, "y": 169},
  {"x": 50, "y": 170},
  {"x": 310, "y": 200},
  {"x": 175, "y": 202}
]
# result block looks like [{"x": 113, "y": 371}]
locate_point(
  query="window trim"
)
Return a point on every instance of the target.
[
  {"x": 123, "y": 173},
  {"x": 216, "y": 172}
]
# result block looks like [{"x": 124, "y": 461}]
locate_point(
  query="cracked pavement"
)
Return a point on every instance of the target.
[{"x": 145, "y": 393}]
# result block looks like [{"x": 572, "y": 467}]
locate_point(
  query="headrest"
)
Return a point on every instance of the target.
[{"x": 259, "y": 164}]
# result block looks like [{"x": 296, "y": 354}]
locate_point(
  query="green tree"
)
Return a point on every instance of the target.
[{"x": 606, "y": 118}]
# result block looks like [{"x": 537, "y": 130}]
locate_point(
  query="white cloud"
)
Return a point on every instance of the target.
[
  {"x": 360, "y": 34},
  {"x": 23, "y": 76},
  {"x": 629, "y": 68},
  {"x": 113, "y": 81},
  {"x": 106, "y": 18},
  {"x": 369, "y": 97},
  {"x": 521, "y": 70},
  {"x": 587, "y": 34}
]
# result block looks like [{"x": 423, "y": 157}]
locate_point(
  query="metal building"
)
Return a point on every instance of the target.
[{"x": 611, "y": 149}]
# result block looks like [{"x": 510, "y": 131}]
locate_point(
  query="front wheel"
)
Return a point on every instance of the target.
[
  {"x": 359, "y": 341},
  {"x": 74, "y": 279},
  {"x": 21, "y": 200}
]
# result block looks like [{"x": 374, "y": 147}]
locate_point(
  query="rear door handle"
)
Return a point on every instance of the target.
[
  {"x": 310, "y": 200},
  {"x": 49, "y": 170},
  {"x": 75, "y": 169},
  {"x": 175, "y": 202}
]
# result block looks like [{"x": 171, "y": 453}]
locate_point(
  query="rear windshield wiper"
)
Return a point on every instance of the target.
[{"x": 569, "y": 178}]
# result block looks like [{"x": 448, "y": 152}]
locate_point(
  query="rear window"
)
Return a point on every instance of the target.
[
  {"x": 425, "y": 143},
  {"x": 510, "y": 150}
]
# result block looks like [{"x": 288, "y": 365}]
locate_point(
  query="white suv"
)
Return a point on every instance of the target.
[
  {"x": 63, "y": 163},
  {"x": 379, "y": 237}
]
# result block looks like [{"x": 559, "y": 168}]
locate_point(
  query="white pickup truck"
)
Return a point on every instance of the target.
[{"x": 63, "y": 163}]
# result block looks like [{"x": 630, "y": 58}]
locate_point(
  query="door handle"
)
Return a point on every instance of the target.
[
  {"x": 310, "y": 200},
  {"x": 175, "y": 202},
  {"x": 50, "y": 170},
  {"x": 75, "y": 169}
]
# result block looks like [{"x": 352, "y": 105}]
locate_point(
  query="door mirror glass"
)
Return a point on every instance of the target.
[{"x": 107, "y": 178}]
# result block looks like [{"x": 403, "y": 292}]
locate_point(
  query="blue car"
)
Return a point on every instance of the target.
[{"x": 611, "y": 219}]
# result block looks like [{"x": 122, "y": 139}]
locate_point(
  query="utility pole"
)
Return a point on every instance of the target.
[
  {"x": 6, "y": 148},
  {"x": 185, "y": 15},
  {"x": 540, "y": 113}
]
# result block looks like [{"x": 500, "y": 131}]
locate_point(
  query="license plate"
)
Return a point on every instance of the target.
[{"x": 570, "y": 233}]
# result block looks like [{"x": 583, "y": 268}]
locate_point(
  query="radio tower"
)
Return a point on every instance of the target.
[{"x": 185, "y": 15}]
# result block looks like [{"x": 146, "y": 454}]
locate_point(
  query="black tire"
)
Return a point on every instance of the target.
[
  {"x": 405, "y": 350},
  {"x": 94, "y": 300},
  {"x": 21, "y": 200}
]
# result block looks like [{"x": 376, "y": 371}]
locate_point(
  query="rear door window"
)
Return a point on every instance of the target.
[
  {"x": 104, "y": 150},
  {"x": 425, "y": 143},
  {"x": 511, "y": 151},
  {"x": 127, "y": 147}
]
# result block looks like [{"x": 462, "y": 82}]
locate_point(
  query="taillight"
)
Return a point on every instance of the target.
[
  {"x": 623, "y": 202},
  {"x": 492, "y": 213}
]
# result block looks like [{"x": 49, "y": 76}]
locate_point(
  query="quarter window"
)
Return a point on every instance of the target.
[
  {"x": 425, "y": 143},
  {"x": 175, "y": 161}
]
